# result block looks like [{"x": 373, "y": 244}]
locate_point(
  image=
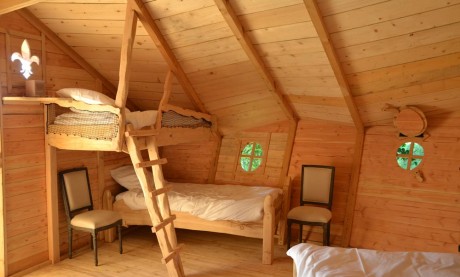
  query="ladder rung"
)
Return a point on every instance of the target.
[
  {"x": 150, "y": 163},
  {"x": 160, "y": 191},
  {"x": 165, "y": 222},
  {"x": 142, "y": 133},
  {"x": 173, "y": 253}
]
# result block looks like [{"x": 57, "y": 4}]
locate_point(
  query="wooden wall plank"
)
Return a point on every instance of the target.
[
  {"x": 325, "y": 143},
  {"x": 407, "y": 214}
]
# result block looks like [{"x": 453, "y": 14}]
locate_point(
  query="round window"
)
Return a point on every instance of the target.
[
  {"x": 409, "y": 155},
  {"x": 251, "y": 157}
]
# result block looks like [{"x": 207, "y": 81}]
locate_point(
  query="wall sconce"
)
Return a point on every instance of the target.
[{"x": 25, "y": 59}]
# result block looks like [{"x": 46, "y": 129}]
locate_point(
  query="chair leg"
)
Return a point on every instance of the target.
[
  {"x": 70, "y": 242},
  {"x": 326, "y": 233},
  {"x": 300, "y": 232},
  {"x": 288, "y": 239},
  {"x": 94, "y": 235},
  {"x": 120, "y": 240}
]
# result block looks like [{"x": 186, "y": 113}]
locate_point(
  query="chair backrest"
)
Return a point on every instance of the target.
[
  {"x": 317, "y": 184},
  {"x": 76, "y": 190}
]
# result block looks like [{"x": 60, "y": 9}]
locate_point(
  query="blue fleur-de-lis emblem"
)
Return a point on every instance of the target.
[{"x": 25, "y": 59}]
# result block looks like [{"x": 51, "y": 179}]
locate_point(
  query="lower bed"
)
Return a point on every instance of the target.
[
  {"x": 237, "y": 210},
  {"x": 318, "y": 261}
]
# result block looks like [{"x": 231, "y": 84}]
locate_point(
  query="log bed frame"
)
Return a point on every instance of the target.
[{"x": 274, "y": 219}]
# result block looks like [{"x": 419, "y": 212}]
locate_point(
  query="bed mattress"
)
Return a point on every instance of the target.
[
  {"x": 210, "y": 202},
  {"x": 312, "y": 260}
]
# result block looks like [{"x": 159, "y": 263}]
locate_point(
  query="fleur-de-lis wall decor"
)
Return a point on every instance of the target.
[{"x": 26, "y": 59}]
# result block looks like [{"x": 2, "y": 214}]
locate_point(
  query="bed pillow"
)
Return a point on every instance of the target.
[
  {"x": 126, "y": 177},
  {"x": 86, "y": 95}
]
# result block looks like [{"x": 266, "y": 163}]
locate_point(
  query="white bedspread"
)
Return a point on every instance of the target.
[
  {"x": 210, "y": 202},
  {"x": 319, "y": 261}
]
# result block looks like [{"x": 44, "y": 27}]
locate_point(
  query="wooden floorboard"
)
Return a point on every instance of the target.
[{"x": 204, "y": 254}]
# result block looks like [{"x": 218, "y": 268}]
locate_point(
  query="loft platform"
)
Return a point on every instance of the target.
[{"x": 75, "y": 125}]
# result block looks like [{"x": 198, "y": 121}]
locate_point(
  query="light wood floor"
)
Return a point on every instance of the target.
[{"x": 204, "y": 254}]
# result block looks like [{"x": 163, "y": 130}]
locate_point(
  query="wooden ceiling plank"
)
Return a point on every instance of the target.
[
  {"x": 7, "y": 6},
  {"x": 165, "y": 50},
  {"x": 400, "y": 43},
  {"x": 274, "y": 17},
  {"x": 234, "y": 24},
  {"x": 318, "y": 100}
]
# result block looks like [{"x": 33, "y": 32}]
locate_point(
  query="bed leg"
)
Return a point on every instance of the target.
[
  {"x": 107, "y": 202},
  {"x": 268, "y": 230},
  {"x": 294, "y": 270}
]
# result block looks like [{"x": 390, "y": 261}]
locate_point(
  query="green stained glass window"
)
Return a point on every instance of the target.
[
  {"x": 409, "y": 155},
  {"x": 251, "y": 157}
]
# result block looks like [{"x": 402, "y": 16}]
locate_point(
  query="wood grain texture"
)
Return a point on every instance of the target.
[
  {"x": 392, "y": 203},
  {"x": 325, "y": 143},
  {"x": 233, "y": 256}
]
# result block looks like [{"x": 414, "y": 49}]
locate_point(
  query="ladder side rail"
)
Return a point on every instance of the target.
[
  {"x": 159, "y": 183},
  {"x": 166, "y": 238}
]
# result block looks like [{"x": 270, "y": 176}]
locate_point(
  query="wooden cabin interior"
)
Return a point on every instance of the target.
[{"x": 312, "y": 82}]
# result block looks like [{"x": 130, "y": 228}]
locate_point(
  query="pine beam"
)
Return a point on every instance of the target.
[
  {"x": 162, "y": 45},
  {"x": 7, "y": 6},
  {"x": 232, "y": 20}
]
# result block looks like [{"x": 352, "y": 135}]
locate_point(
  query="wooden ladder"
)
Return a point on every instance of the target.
[{"x": 154, "y": 189}]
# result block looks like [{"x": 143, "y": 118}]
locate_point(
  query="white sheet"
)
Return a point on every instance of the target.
[
  {"x": 210, "y": 202},
  {"x": 141, "y": 119},
  {"x": 318, "y": 261}
]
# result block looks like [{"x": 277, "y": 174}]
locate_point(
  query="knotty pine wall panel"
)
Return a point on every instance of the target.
[
  {"x": 24, "y": 151},
  {"x": 324, "y": 143},
  {"x": 396, "y": 212},
  {"x": 25, "y": 193},
  {"x": 397, "y": 52},
  {"x": 191, "y": 162}
]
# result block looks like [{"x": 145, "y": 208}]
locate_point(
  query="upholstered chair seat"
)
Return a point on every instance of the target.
[
  {"x": 312, "y": 214},
  {"x": 95, "y": 219}
]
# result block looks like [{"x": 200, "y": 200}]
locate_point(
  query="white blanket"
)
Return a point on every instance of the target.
[
  {"x": 210, "y": 202},
  {"x": 318, "y": 261}
]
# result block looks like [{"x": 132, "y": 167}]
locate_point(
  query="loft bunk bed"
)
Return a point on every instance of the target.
[
  {"x": 77, "y": 125},
  {"x": 88, "y": 120}
]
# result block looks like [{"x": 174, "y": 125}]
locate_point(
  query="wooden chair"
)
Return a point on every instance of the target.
[
  {"x": 78, "y": 204},
  {"x": 317, "y": 183}
]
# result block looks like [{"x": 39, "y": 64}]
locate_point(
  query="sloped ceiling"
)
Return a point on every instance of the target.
[{"x": 255, "y": 62}]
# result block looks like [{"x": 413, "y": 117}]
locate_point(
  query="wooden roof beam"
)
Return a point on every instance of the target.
[
  {"x": 323, "y": 35},
  {"x": 7, "y": 6},
  {"x": 162, "y": 45},
  {"x": 129, "y": 34},
  {"x": 232, "y": 20},
  {"x": 70, "y": 52}
]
